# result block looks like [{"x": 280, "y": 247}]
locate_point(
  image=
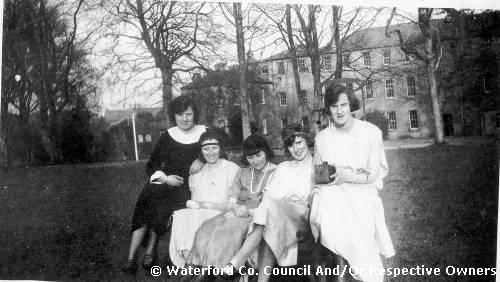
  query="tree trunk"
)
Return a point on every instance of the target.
[
  {"x": 436, "y": 111},
  {"x": 293, "y": 57},
  {"x": 240, "y": 45},
  {"x": 4, "y": 155},
  {"x": 339, "y": 62},
  {"x": 314, "y": 52},
  {"x": 166, "y": 83},
  {"x": 424, "y": 20}
]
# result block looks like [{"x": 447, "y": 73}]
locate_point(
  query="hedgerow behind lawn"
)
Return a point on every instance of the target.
[{"x": 72, "y": 222}]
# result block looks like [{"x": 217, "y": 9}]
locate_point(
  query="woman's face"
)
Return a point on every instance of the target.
[
  {"x": 257, "y": 161},
  {"x": 341, "y": 111},
  {"x": 299, "y": 149},
  {"x": 185, "y": 120},
  {"x": 210, "y": 150}
]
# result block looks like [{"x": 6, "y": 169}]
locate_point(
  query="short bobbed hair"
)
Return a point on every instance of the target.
[
  {"x": 253, "y": 145},
  {"x": 212, "y": 135},
  {"x": 180, "y": 104},
  {"x": 332, "y": 94},
  {"x": 290, "y": 133}
]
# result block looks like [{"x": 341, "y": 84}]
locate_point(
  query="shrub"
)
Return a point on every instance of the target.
[{"x": 379, "y": 119}]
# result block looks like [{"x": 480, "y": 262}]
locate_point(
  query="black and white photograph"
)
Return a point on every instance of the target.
[{"x": 154, "y": 140}]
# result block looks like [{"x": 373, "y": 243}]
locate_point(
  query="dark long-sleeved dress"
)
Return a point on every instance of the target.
[{"x": 157, "y": 202}]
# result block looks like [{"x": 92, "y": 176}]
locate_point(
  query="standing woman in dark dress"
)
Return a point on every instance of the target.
[{"x": 167, "y": 189}]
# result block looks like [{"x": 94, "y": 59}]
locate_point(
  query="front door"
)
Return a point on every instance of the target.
[{"x": 448, "y": 124}]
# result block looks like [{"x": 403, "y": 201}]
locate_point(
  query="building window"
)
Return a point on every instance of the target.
[
  {"x": 305, "y": 124},
  {"x": 148, "y": 138},
  {"x": 410, "y": 83},
  {"x": 497, "y": 120},
  {"x": 302, "y": 65},
  {"x": 284, "y": 122},
  {"x": 281, "y": 67},
  {"x": 369, "y": 89},
  {"x": 282, "y": 98},
  {"x": 392, "y": 121},
  {"x": 304, "y": 95},
  {"x": 348, "y": 85},
  {"x": 387, "y": 56},
  {"x": 327, "y": 62},
  {"x": 367, "y": 60},
  {"x": 264, "y": 126},
  {"x": 413, "y": 119},
  {"x": 389, "y": 90},
  {"x": 262, "y": 96},
  {"x": 264, "y": 70},
  {"x": 140, "y": 138},
  {"x": 347, "y": 59}
]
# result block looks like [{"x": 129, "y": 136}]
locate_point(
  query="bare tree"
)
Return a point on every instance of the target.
[
  {"x": 429, "y": 51},
  {"x": 248, "y": 26},
  {"x": 176, "y": 35},
  {"x": 46, "y": 71}
]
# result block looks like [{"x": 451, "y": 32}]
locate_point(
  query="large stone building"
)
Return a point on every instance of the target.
[{"x": 394, "y": 83}]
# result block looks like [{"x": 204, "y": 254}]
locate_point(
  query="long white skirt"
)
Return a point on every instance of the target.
[
  {"x": 184, "y": 226},
  {"x": 349, "y": 220}
]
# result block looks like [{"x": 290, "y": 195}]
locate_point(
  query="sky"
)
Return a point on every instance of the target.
[{"x": 143, "y": 90}]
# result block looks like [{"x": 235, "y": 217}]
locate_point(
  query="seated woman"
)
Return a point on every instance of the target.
[
  {"x": 209, "y": 196},
  {"x": 281, "y": 218},
  {"x": 220, "y": 238},
  {"x": 166, "y": 190},
  {"x": 347, "y": 215}
]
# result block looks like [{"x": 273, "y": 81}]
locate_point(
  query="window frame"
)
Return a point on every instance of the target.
[
  {"x": 301, "y": 63},
  {"x": 282, "y": 98},
  {"x": 413, "y": 120},
  {"x": 393, "y": 123},
  {"x": 409, "y": 87},
  {"x": 369, "y": 91},
  {"x": 281, "y": 67},
  {"x": 387, "y": 88},
  {"x": 386, "y": 60},
  {"x": 367, "y": 59}
]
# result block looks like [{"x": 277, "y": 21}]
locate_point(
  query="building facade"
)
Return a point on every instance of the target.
[{"x": 386, "y": 79}]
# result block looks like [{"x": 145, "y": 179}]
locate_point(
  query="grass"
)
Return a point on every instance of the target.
[{"x": 72, "y": 222}]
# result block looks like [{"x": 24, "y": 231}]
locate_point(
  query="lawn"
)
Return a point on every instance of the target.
[{"x": 72, "y": 222}]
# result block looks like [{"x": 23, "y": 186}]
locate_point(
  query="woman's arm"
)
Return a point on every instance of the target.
[
  {"x": 362, "y": 175},
  {"x": 154, "y": 162}
]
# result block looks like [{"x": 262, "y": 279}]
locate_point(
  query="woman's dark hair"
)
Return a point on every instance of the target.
[
  {"x": 253, "y": 145},
  {"x": 290, "y": 133},
  {"x": 179, "y": 105},
  {"x": 332, "y": 94},
  {"x": 212, "y": 135}
]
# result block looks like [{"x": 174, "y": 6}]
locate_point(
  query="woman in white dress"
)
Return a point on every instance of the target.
[
  {"x": 280, "y": 221},
  {"x": 347, "y": 215},
  {"x": 210, "y": 189}
]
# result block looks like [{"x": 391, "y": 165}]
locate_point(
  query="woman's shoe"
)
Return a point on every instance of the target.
[
  {"x": 130, "y": 266},
  {"x": 148, "y": 261}
]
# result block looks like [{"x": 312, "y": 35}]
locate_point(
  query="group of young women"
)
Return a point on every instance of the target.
[{"x": 225, "y": 216}]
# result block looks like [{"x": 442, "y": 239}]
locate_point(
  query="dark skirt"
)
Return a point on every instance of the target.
[{"x": 155, "y": 206}]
